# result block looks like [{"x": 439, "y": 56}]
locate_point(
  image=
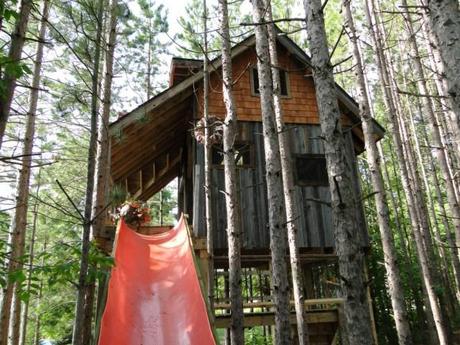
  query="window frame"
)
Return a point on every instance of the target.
[
  {"x": 303, "y": 183},
  {"x": 252, "y": 71},
  {"x": 250, "y": 145}
]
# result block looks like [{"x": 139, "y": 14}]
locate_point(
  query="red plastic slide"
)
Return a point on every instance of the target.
[{"x": 154, "y": 295}]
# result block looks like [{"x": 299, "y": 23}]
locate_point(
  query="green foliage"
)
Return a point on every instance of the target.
[
  {"x": 141, "y": 51},
  {"x": 191, "y": 37},
  {"x": 256, "y": 336},
  {"x": 163, "y": 204}
]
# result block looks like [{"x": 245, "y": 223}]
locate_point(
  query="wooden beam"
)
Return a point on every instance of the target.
[
  {"x": 266, "y": 257},
  {"x": 180, "y": 91},
  {"x": 136, "y": 163},
  {"x": 268, "y": 318},
  {"x": 148, "y": 183},
  {"x": 160, "y": 183},
  {"x": 269, "y": 304},
  {"x": 139, "y": 150}
]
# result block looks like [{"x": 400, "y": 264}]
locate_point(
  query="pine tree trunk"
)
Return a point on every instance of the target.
[
  {"x": 19, "y": 224},
  {"x": 439, "y": 244},
  {"x": 81, "y": 305},
  {"x": 25, "y": 312},
  {"x": 275, "y": 194},
  {"x": 288, "y": 186},
  {"x": 436, "y": 65},
  {"x": 234, "y": 233},
  {"x": 9, "y": 81},
  {"x": 343, "y": 203},
  {"x": 406, "y": 248},
  {"x": 36, "y": 334},
  {"x": 439, "y": 312},
  {"x": 428, "y": 108},
  {"x": 103, "y": 147},
  {"x": 208, "y": 165},
  {"x": 445, "y": 22},
  {"x": 103, "y": 155},
  {"x": 417, "y": 217},
  {"x": 383, "y": 215}
]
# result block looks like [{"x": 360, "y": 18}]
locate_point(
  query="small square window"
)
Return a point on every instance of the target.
[
  {"x": 284, "y": 81},
  {"x": 242, "y": 152},
  {"x": 310, "y": 170}
]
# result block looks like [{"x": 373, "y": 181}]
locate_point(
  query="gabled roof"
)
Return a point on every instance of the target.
[
  {"x": 289, "y": 44},
  {"x": 157, "y": 127}
]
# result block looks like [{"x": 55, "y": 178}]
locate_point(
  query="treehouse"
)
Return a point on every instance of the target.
[{"x": 154, "y": 144}]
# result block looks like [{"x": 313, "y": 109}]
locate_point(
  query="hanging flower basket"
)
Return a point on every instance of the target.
[
  {"x": 215, "y": 131},
  {"x": 135, "y": 213}
]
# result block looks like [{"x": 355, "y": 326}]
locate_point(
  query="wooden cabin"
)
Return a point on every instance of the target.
[{"x": 154, "y": 144}]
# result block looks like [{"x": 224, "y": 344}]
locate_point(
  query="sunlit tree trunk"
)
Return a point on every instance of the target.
[
  {"x": 234, "y": 234},
  {"x": 288, "y": 186},
  {"x": 383, "y": 215},
  {"x": 210, "y": 231},
  {"x": 8, "y": 80},
  {"x": 275, "y": 193},
  {"x": 19, "y": 224},
  {"x": 84, "y": 298},
  {"x": 445, "y": 22},
  {"x": 428, "y": 109},
  {"x": 343, "y": 203},
  {"x": 418, "y": 218}
]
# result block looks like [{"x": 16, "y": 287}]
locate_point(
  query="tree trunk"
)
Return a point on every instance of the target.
[
  {"x": 437, "y": 67},
  {"x": 234, "y": 234},
  {"x": 103, "y": 147},
  {"x": 343, "y": 200},
  {"x": 19, "y": 224},
  {"x": 103, "y": 154},
  {"x": 275, "y": 194},
  {"x": 396, "y": 290},
  {"x": 288, "y": 186},
  {"x": 9, "y": 81},
  {"x": 445, "y": 22},
  {"x": 417, "y": 217},
  {"x": 441, "y": 154},
  {"x": 208, "y": 165},
  {"x": 81, "y": 306},
  {"x": 25, "y": 312}
]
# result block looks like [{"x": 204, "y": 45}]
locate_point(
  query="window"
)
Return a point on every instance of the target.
[
  {"x": 284, "y": 81},
  {"x": 310, "y": 170},
  {"x": 242, "y": 152}
]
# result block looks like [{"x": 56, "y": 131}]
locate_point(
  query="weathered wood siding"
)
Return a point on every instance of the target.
[
  {"x": 315, "y": 219},
  {"x": 299, "y": 107}
]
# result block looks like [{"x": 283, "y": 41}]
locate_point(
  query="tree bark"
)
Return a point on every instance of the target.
[
  {"x": 275, "y": 194},
  {"x": 81, "y": 305},
  {"x": 14, "y": 56},
  {"x": 234, "y": 233},
  {"x": 428, "y": 107},
  {"x": 19, "y": 224},
  {"x": 343, "y": 201},
  {"x": 25, "y": 311},
  {"x": 103, "y": 147},
  {"x": 396, "y": 290},
  {"x": 208, "y": 164},
  {"x": 451, "y": 136},
  {"x": 445, "y": 22},
  {"x": 418, "y": 218},
  {"x": 288, "y": 186}
]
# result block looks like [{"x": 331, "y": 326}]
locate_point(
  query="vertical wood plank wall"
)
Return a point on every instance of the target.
[{"x": 315, "y": 219}]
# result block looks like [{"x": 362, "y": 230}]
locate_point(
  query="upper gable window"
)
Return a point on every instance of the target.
[{"x": 284, "y": 81}]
